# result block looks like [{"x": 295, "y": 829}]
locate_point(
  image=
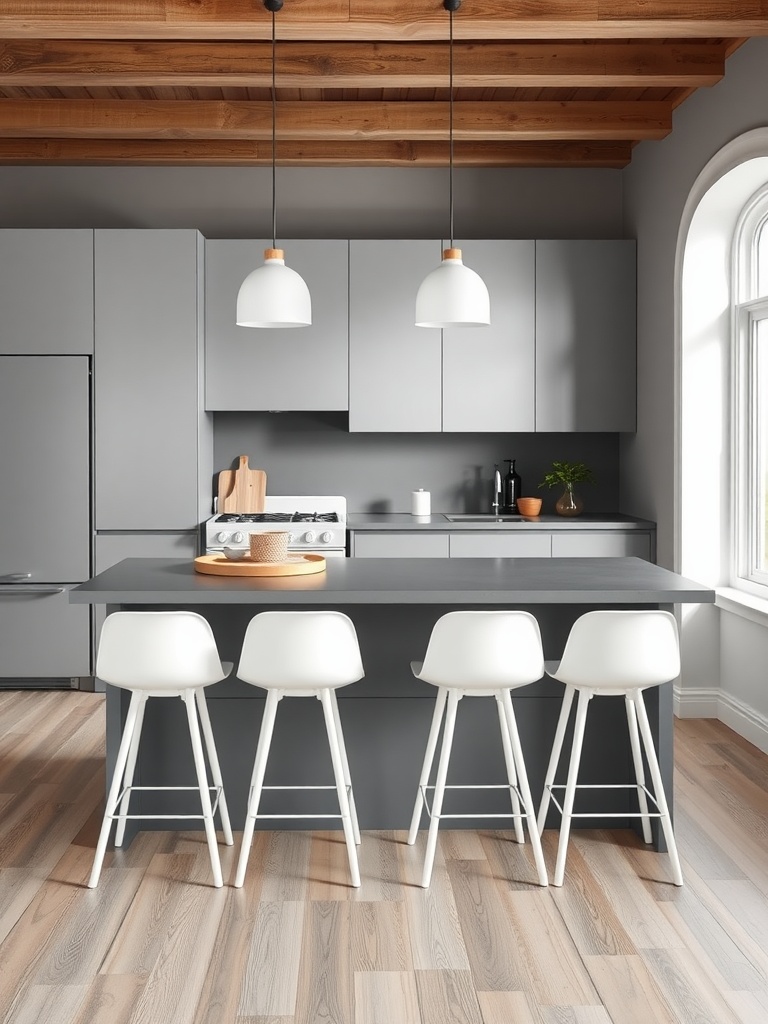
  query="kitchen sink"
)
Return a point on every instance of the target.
[{"x": 489, "y": 518}]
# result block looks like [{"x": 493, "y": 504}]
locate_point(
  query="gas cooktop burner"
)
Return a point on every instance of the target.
[{"x": 277, "y": 517}]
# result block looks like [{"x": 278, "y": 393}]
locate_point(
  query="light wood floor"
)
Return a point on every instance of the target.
[{"x": 156, "y": 944}]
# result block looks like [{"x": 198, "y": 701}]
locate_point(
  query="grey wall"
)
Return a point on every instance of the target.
[
  {"x": 234, "y": 202},
  {"x": 656, "y": 186},
  {"x": 313, "y": 453}
]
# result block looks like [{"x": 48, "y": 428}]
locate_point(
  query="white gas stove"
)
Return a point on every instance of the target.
[{"x": 315, "y": 524}]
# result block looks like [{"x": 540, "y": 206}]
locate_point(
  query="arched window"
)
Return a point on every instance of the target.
[{"x": 750, "y": 399}]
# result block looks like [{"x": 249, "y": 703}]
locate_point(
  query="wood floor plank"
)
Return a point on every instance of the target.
[
  {"x": 505, "y": 1007},
  {"x": 329, "y": 877},
  {"x": 110, "y": 999},
  {"x": 54, "y": 1005},
  {"x": 489, "y": 933},
  {"x": 282, "y": 861},
  {"x": 437, "y": 942},
  {"x": 511, "y": 863},
  {"x": 382, "y": 872},
  {"x": 628, "y": 990},
  {"x": 270, "y": 982},
  {"x": 379, "y": 937},
  {"x": 447, "y": 997},
  {"x": 325, "y": 979},
  {"x": 688, "y": 989},
  {"x": 382, "y": 997}
]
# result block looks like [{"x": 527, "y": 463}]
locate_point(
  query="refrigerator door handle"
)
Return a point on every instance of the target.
[
  {"x": 13, "y": 589},
  {"x": 15, "y": 577}
]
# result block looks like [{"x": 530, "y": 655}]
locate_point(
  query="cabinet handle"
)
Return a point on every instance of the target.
[{"x": 15, "y": 590}]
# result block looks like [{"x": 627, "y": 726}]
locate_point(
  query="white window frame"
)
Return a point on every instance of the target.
[{"x": 748, "y": 311}]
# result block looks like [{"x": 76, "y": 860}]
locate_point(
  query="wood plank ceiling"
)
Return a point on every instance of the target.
[{"x": 359, "y": 82}]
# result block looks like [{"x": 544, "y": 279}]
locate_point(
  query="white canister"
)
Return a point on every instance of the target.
[{"x": 420, "y": 503}]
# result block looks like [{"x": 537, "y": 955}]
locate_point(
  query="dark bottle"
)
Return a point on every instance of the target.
[{"x": 511, "y": 490}]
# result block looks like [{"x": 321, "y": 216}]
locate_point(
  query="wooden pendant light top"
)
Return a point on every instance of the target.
[
  {"x": 451, "y": 254},
  {"x": 274, "y": 254}
]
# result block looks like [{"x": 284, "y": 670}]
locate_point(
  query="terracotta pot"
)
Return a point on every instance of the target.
[{"x": 529, "y": 506}]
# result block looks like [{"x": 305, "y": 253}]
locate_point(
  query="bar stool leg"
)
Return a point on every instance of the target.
[
  {"x": 213, "y": 761},
  {"x": 554, "y": 757},
  {"x": 658, "y": 788},
  {"x": 442, "y": 773},
  {"x": 426, "y": 768},
  {"x": 341, "y": 785},
  {"x": 114, "y": 789},
  {"x": 345, "y": 767},
  {"x": 570, "y": 788},
  {"x": 257, "y": 781},
  {"x": 525, "y": 789},
  {"x": 188, "y": 697},
  {"x": 637, "y": 758},
  {"x": 130, "y": 770},
  {"x": 511, "y": 773}
]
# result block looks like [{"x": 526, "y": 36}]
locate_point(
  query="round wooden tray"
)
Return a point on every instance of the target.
[{"x": 295, "y": 565}]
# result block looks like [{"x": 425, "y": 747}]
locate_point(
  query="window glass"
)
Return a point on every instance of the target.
[
  {"x": 760, "y": 440},
  {"x": 761, "y": 260}
]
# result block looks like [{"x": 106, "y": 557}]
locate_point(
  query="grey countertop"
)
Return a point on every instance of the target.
[
  {"x": 373, "y": 521},
  {"x": 349, "y": 581}
]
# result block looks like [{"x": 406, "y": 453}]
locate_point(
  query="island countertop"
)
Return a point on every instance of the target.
[{"x": 350, "y": 581}]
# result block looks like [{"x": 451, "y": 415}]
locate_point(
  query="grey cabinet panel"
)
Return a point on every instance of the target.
[
  {"x": 285, "y": 369},
  {"x": 46, "y": 291},
  {"x": 394, "y": 366},
  {"x": 489, "y": 372},
  {"x": 501, "y": 545},
  {"x": 585, "y": 336},
  {"x": 602, "y": 545},
  {"x": 149, "y": 433},
  {"x": 43, "y": 636},
  {"x": 45, "y": 468},
  {"x": 400, "y": 545}
]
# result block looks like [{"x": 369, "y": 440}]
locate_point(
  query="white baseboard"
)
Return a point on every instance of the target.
[{"x": 714, "y": 703}]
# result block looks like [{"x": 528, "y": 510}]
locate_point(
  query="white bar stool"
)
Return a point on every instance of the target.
[
  {"x": 479, "y": 654},
  {"x": 614, "y": 652},
  {"x": 162, "y": 654},
  {"x": 301, "y": 654}
]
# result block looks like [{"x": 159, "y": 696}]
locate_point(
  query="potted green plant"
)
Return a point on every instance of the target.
[{"x": 565, "y": 475}]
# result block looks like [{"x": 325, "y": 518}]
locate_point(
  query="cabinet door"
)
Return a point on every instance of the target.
[
  {"x": 303, "y": 368},
  {"x": 46, "y": 291},
  {"x": 609, "y": 544},
  {"x": 149, "y": 433},
  {"x": 394, "y": 366},
  {"x": 488, "y": 372},
  {"x": 42, "y": 635},
  {"x": 585, "y": 336},
  {"x": 399, "y": 545},
  {"x": 501, "y": 545}
]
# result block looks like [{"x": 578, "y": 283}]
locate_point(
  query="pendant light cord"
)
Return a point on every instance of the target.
[
  {"x": 274, "y": 122},
  {"x": 450, "y": 125}
]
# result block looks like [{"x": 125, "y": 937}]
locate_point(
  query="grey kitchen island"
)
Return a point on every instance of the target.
[{"x": 394, "y": 603}]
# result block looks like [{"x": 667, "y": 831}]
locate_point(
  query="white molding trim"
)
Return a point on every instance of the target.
[{"x": 711, "y": 702}]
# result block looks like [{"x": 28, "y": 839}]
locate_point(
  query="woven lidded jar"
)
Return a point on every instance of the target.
[{"x": 271, "y": 546}]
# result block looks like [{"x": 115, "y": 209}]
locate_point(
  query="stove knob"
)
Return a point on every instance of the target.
[
  {"x": 326, "y": 537},
  {"x": 238, "y": 537},
  {"x": 222, "y": 538},
  {"x": 291, "y": 538},
  {"x": 309, "y": 537}
]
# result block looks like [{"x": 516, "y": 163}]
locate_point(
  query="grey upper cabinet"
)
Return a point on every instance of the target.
[
  {"x": 299, "y": 369},
  {"x": 585, "y": 335},
  {"x": 153, "y": 448},
  {"x": 489, "y": 372},
  {"x": 46, "y": 291},
  {"x": 394, "y": 366}
]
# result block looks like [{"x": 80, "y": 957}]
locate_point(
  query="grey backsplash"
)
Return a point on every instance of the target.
[{"x": 314, "y": 453}]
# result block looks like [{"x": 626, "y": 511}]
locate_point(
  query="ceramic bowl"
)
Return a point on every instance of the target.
[
  {"x": 235, "y": 554},
  {"x": 529, "y": 506}
]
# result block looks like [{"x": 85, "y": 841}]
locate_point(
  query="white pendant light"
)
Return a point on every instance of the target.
[
  {"x": 273, "y": 295},
  {"x": 452, "y": 295}
]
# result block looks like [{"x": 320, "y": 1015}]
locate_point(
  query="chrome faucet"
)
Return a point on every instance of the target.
[{"x": 496, "y": 503}]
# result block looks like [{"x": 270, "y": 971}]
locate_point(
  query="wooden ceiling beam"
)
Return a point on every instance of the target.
[
  {"x": 360, "y": 65},
  {"x": 408, "y": 20},
  {"x": 334, "y": 120},
  {"x": 234, "y": 152}
]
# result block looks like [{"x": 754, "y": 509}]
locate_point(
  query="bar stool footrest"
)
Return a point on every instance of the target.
[{"x": 607, "y": 814}]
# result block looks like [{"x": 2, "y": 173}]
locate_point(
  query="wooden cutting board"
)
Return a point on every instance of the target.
[
  {"x": 295, "y": 565},
  {"x": 242, "y": 489}
]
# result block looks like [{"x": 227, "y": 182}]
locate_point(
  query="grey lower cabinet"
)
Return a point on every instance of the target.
[
  {"x": 43, "y": 636},
  {"x": 153, "y": 444},
  {"x": 399, "y": 545},
  {"x": 489, "y": 372},
  {"x": 395, "y": 368},
  {"x": 502, "y": 544},
  {"x": 300, "y": 369},
  {"x": 46, "y": 291},
  {"x": 586, "y": 335}
]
